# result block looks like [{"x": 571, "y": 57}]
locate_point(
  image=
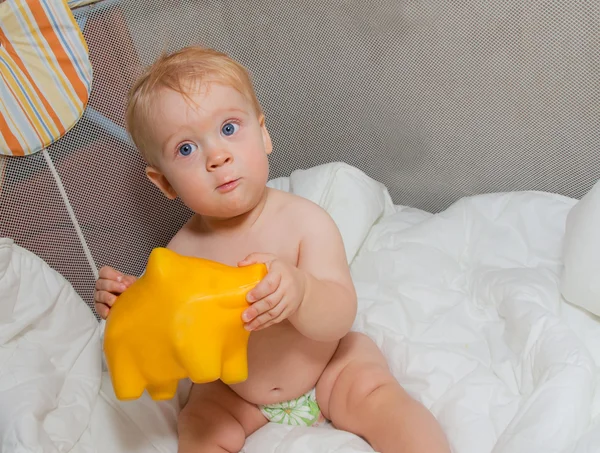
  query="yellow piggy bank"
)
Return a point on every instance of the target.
[{"x": 182, "y": 318}]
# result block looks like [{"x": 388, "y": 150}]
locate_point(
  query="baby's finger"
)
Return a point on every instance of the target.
[
  {"x": 269, "y": 303},
  {"x": 109, "y": 273},
  {"x": 104, "y": 297},
  {"x": 111, "y": 286},
  {"x": 270, "y": 323},
  {"x": 270, "y": 317},
  {"x": 102, "y": 310},
  {"x": 129, "y": 280},
  {"x": 254, "y": 258},
  {"x": 266, "y": 286}
]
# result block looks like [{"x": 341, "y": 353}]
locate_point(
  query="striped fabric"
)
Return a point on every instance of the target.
[
  {"x": 78, "y": 3},
  {"x": 45, "y": 74}
]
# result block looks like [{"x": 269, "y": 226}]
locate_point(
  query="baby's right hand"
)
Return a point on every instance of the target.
[{"x": 109, "y": 285}]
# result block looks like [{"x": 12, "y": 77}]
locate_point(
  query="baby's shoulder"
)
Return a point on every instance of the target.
[
  {"x": 296, "y": 210},
  {"x": 186, "y": 237}
]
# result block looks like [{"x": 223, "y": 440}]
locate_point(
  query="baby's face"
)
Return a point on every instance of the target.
[{"x": 212, "y": 151}]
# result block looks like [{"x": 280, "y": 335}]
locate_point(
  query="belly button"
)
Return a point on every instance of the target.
[{"x": 276, "y": 389}]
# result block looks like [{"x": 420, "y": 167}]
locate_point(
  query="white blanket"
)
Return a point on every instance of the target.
[
  {"x": 465, "y": 305},
  {"x": 50, "y": 361}
]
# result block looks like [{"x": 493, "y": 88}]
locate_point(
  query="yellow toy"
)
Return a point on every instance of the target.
[{"x": 182, "y": 318}]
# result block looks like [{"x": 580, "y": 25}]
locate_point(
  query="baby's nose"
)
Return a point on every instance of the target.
[{"x": 218, "y": 159}]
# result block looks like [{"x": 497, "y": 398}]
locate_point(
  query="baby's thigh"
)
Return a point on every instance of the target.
[
  {"x": 215, "y": 415},
  {"x": 356, "y": 358}
]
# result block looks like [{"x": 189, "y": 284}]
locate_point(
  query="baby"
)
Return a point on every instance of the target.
[{"x": 195, "y": 118}]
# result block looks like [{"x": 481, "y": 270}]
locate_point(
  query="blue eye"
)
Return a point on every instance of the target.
[
  {"x": 186, "y": 149},
  {"x": 229, "y": 129}
]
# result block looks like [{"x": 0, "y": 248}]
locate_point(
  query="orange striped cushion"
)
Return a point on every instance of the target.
[{"x": 45, "y": 74}]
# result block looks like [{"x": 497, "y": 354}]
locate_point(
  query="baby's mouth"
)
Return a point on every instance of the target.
[{"x": 229, "y": 185}]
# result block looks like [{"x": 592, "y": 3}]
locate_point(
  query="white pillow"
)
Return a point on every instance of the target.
[
  {"x": 354, "y": 200},
  {"x": 580, "y": 284}
]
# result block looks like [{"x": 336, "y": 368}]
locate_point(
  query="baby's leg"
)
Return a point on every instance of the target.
[
  {"x": 358, "y": 393},
  {"x": 215, "y": 419}
]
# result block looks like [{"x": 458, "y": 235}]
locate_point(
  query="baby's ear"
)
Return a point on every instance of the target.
[
  {"x": 266, "y": 136},
  {"x": 160, "y": 181}
]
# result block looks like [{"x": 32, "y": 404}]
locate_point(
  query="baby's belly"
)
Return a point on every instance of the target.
[{"x": 282, "y": 364}]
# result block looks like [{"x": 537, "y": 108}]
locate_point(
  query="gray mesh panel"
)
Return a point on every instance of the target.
[
  {"x": 437, "y": 100},
  {"x": 33, "y": 215}
]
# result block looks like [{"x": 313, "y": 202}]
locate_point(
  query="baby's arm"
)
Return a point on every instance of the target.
[
  {"x": 328, "y": 308},
  {"x": 316, "y": 294}
]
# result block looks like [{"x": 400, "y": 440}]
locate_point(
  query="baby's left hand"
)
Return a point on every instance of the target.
[{"x": 277, "y": 296}]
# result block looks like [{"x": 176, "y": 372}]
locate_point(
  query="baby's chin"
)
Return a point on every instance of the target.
[
  {"x": 229, "y": 210},
  {"x": 239, "y": 202}
]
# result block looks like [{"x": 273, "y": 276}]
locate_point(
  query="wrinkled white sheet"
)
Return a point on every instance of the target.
[
  {"x": 50, "y": 361},
  {"x": 464, "y": 304}
]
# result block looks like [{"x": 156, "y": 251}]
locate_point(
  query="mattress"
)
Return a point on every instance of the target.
[{"x": 464, "y": 304}]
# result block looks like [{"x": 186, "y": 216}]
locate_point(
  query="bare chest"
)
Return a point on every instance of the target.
[{"x": 230, "y": 249}]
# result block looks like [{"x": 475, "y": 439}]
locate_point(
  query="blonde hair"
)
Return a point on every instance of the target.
[{"x": 181, "y": 71}]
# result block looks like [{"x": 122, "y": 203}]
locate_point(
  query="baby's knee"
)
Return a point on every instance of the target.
[
  {"x": 209, "y": 428},
  {"x": 365, "y": 381},
  {"x": 357, "y": 393}
]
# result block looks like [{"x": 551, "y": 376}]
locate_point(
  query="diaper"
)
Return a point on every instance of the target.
[{"x": 301, "y": 411}]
